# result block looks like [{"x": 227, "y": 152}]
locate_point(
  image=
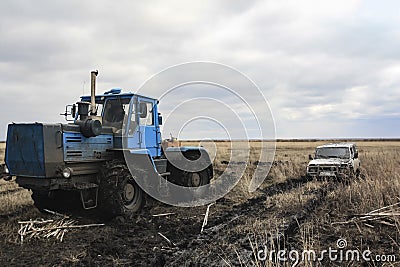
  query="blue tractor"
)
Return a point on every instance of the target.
[{"x": 85, "y": 158}]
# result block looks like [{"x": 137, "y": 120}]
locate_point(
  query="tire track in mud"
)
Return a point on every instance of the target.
[
  {"x": 231, "y": 217},
  {"x": 284, "y": 187},
  {"x": 310, "y": 206},
  {"x": 252, "y": 204},
  {"x": 252, "y": 207}
]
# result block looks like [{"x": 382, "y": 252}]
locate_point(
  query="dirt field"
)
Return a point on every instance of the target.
[{"x": 288, "y": 213}]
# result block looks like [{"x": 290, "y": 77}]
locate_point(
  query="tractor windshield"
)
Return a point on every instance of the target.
[
  {"x": 332, "y": 152},
  {"x": 114, "y": 112}
]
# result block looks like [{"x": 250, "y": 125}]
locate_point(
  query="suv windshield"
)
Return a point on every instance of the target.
[{"x": 332, "y": 152}]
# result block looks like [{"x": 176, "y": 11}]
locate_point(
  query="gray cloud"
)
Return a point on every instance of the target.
[{"x": 331, "y": 64}]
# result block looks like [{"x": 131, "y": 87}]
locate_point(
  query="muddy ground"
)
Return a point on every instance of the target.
[{"x": 235, "y": 233}]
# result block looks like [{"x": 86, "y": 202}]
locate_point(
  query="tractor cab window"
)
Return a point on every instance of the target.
[
  {"x": 99, "y": 109},
  {"x": 146, "y": 113},
  {"x": 133, "y": 122},
  {"x": 114, "y": 112}
]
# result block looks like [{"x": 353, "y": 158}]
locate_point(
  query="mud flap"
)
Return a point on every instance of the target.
[{"x": 143, "y": 170}]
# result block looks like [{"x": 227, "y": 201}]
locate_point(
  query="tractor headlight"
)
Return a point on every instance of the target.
[
  {"x": 67, "y": 172},
  {"x": 6, "y": 170}
]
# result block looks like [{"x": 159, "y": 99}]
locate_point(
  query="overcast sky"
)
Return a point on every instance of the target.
[{"x": 327, "y": 68}]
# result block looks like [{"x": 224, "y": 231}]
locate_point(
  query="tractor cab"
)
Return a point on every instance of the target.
[{"x": 130, "y": 115}]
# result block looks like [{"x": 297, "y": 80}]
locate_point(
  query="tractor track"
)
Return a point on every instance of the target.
[
  {"x": 310, "y": 206},
  {"x": 253, "y": 204},
  {"x": 284, "y": 187},
  {"x": 254, "y": 208},
  {"x": 229, "y": 216}
]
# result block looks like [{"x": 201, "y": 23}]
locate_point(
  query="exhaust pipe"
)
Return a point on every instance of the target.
[
  {"x": 90, "y": 126},
  {"x": 93, "y": 75}
]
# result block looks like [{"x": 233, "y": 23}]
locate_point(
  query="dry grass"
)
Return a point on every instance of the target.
[
  {"x": 2, "y": 151},
  {"x": 380, "y": 161},
  {"x": 12, "y": 198},
  {"x": 289, "y": 162},
  {"x": 380, "y": 187}
]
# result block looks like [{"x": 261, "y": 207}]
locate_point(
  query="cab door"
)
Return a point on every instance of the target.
[
  {"x": 142, "y": 127},
  {"x": 132, "y": 127}
]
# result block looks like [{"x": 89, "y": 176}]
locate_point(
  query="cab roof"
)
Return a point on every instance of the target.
[
  {"x": 115, "y": 92},
  {"x": 337, "y": 145}
]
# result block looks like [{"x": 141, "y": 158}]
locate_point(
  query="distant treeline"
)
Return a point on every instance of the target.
[
  {"x": 341, "y": 140},
  {"x": 306, "y": 140}
]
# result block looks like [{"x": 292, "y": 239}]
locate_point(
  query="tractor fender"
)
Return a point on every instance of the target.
[
  {"x": 190, "y": 155},
  {"x": 140, "y": 159}
]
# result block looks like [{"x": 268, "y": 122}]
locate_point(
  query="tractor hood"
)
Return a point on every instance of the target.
[{"x": 331, "y": 161}]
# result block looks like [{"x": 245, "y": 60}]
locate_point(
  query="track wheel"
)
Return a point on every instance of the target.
[{"x": 119, "y": 195}]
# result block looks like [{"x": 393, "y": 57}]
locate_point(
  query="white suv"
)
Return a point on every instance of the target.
[{"x": 334, "y": 160}]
